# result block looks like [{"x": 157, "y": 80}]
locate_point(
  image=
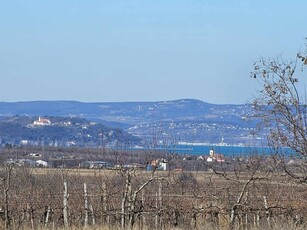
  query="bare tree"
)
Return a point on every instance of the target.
[
  {"x": 281, "y": 106},
  {"x": 6, "y": 185},
  {"x": 246, "y": 182}
]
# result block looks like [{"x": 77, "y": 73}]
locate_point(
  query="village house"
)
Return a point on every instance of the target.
[
  {"x": 213, "y": 157},
  {"x": 96, "y": 164},
  {"x": 41, "y": 163},
  {"x": 159, "y": 164}
]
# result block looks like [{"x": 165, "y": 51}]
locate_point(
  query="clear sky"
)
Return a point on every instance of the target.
[{"x": 141, "y": 50}]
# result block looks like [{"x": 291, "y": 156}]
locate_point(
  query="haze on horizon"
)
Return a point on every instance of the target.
[{"x": 118, "y": 51}]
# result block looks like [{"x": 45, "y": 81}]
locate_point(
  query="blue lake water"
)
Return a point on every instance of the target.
[{"x": 200, "y": 150}]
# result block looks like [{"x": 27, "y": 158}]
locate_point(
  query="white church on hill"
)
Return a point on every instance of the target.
[{"x": 42, "y": 121}]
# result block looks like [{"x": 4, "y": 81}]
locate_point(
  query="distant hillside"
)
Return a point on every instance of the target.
[
  {"x": 164, "y": 121},
  {"x": 16, "y": 130},
  {"x": 63, "y": 108}
]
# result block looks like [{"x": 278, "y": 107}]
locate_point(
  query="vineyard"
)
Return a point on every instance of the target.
[{"x": 34, "y": 198}]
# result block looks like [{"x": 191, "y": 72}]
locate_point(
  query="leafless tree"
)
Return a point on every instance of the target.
[
  {"x": 6, "y": 185},
  {"x": 282, "y": 109}
]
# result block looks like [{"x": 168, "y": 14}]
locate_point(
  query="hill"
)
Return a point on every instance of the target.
[
  {"x": 59, "y": 131},
  {"x": 185, "y": 120}
]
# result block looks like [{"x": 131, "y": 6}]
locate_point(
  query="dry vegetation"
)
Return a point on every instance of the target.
[{"x": 35, "y": 198}]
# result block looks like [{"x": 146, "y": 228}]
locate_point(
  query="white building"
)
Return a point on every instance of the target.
[
  {"x": 42, "y": 163},
  {"x": 42, "y": 121}
]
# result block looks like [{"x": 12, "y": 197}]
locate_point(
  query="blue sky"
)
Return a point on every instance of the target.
[{"x": 138, "y": 50}]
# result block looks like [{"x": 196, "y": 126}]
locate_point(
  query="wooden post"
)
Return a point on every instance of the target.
[
  {"x": 156, "y": 217},
  {"x": 93, "y": 214},
  {"x": 160, "y": 205},
  {"x": 143, "y": 223},
  {"x": 65, "y": 205},
  {"x": 246, "y": 221},
  {"x": 30, "y": 212},
  {"x": 158, "y": 221},
  {"x": 47, "y": 215},
  {"x": 85, "y": 206},
  {"x": 104, "y": 203},
  {"x": 126, "y": 192},
  {"x": 6, "y": 187},
  {"x": 123, "y": 213},
  {"x": 267, "y": 213}
]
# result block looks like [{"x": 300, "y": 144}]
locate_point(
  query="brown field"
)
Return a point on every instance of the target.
[
  {"x": 240, "y": 194},
  {"x": 170, "y": 200}
]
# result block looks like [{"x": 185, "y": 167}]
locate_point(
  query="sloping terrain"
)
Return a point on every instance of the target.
[
  {"x": 186, "y": 120},
  {"x": 61, "y": 131}
]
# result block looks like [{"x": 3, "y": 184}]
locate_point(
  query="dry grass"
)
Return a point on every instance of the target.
[
  {"x": 44, "y": 186},
  {"x": 277, "y": 227}
]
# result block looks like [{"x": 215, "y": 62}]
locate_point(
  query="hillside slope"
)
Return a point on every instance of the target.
[
  {"x": 16, "y": 130},
  {"x": 164, "y": 121}
]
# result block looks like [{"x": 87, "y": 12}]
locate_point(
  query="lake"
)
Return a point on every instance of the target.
[{"x": 201, "y": 150}]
